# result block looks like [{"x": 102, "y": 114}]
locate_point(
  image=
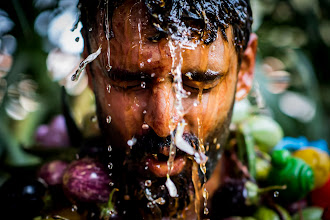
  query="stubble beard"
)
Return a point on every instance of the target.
[{"x": 130, "y": 175}]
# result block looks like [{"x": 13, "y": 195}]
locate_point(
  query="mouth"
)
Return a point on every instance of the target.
[{"x": 157, "y": 163}]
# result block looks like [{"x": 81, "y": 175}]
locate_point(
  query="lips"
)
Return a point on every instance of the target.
[{"x": 160, "y": 168}]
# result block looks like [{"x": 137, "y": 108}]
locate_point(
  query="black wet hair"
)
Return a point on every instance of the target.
[{"x": 182, "y": 18}]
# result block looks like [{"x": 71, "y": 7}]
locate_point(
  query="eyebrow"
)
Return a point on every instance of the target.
[{"x": 124, "y": 75}]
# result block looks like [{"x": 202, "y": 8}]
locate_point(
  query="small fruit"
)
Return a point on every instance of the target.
[
  {"x": 52, "y": 172},
  {"x": 86, "y": 180},
  {"x": 318, "y": 160}
]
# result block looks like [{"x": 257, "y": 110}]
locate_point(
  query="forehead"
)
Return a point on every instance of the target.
[{"x": 132, "y": 49}]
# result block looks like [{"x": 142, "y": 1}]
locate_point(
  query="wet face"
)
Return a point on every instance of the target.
[{"x": 139, "y": 93}]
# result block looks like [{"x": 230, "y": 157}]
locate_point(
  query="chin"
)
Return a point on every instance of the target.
[{"x": 147, "y": 193}]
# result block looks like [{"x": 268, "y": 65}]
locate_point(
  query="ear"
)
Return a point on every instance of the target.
[{"x": 246, "y": 72}]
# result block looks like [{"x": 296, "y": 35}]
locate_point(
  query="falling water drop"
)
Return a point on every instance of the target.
[
  {"x": 143, "y": 85},
  {"x": 77, "y": 39},
  {"x": 111, "y": 184},
  {"x": 110, "y": 166},
  {"x": 90, "y": 29},
  {"x": 109, "y": 148},
  {"x": 108, "y": 119},
  {"x": 144, "y": 111},
  {"x": 148, "y": 183},
  {"x": 276, "y": 194},
  {"x": 206, "y": 211}
]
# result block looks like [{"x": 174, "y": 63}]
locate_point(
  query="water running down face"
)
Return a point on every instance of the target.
[{"x": 139, "y": 94}]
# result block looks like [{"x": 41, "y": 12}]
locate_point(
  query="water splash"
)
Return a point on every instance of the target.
[
  {"x": 171, "y": 187},
  {"x": 84, "y": 63},
  {"x": 180, "y": 93},
  {"x": 202, "y": 165}
]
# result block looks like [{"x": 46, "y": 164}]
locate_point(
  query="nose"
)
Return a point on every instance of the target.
[{"x": 160, "y": 109}]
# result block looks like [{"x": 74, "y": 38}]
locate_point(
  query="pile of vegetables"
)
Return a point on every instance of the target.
[{"x": 271, "y": 176}]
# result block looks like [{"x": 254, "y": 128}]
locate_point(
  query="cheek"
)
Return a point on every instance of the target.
[
  {"x": 126, "y": 110},
  {"x": 213, "y": 109}
]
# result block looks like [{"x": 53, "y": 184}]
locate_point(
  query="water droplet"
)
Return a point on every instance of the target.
[
  {"x": 90, "y": 29},
  {"x": 149, "y": 60},
  {"x": 206, "y": 211},
  {"x": 143, "y": 85},
  {"x": 108, "y": 119},
  {"x": 145, "y": 126},
  {"x": 153, "y": 75},
  {"x": 144, "y": 111},
  {"x": 162, "y": 187},
  {"x": 150, "y": 205},
  {"x": 109, "y": 148},
  {"x": 215, "y": 140},
  {"x": 218, "y": 146},
  {"x": 109, "y": 67},
  {"x": 110, "y": 166},
  {"x": 131, "y": 142},
  {"x": 77, "y": 156},
  {"x": 141, "y": 64},
  {"x": 77, "y": 39},
  {"x": 109, "y": 88},
  {"x": 148, "y": 183},
  {"x": 110, "y": 174},
  {"x": 111, "y": 184},
  {"x": 276, "y": 194},
  {"x": 196, "y": 103},
  {"x": 74, "y": 208}
]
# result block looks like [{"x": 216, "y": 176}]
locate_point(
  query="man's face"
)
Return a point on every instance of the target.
[{"x": 137, "y": 93}]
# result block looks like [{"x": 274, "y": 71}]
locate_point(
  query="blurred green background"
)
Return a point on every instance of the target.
[{"x": 39, "y": 51}]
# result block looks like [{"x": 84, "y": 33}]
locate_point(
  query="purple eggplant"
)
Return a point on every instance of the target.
[
  {"x": 86, "y": 180},
  {"x": 53, "y": 135},
  {"x": 52, "y": 172}
]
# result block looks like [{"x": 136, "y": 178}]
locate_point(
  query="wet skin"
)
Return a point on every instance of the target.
[{"x": 216, "y": 81}]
